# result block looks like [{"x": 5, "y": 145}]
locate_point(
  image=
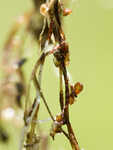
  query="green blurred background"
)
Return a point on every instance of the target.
[{"x": 89, "y": 31}]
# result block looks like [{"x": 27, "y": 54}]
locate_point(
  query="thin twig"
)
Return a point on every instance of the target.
[
  {"x": 42, "y": 96},
  {"x": 61, "y": 90}
]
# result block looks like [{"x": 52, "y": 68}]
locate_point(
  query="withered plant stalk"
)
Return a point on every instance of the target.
[{"x": 44, "y": 23}]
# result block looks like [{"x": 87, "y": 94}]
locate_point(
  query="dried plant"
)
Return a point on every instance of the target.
[{"x": 44, "y": 23}]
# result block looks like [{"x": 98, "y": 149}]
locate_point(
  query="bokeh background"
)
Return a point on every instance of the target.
[{"x": 89, "y": 32}]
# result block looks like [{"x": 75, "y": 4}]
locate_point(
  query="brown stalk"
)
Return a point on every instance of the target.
[
  {"x": 42, "y": 96},
  {"x": 44, "y": 22},
  {"x": 72, "y": 138},
  {"x": 61, "y": 90}
]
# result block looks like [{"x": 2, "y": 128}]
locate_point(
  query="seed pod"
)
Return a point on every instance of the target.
[{"x": 78, "y": 87}]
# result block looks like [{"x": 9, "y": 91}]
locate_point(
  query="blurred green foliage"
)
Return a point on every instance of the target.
[{"x": 89, "y": 31}]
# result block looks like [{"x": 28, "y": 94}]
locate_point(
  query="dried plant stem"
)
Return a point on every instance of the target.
[
  {"x": 32, "y": 117},
  {"x": 31, "y": 134},
  {"x": 45, "y": 24},
  {"x": 29, "y": 84},
  {"x": 66, "y": 134},
  {"x": 61, "y": 90},
  {"x": 72, "y": 138},
  {"x": 51, "y": 34},
  {"x": 42, "y": 96}
]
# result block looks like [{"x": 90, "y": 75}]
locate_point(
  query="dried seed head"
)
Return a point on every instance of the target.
[{"x": 44, "y": 10}]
